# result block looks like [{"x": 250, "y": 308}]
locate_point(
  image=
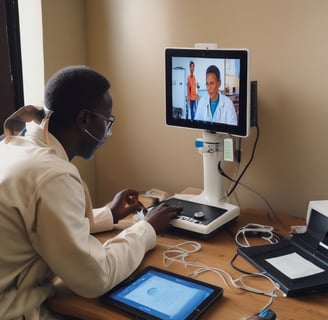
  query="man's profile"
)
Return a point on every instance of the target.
[{"x": 46, "y": 215}]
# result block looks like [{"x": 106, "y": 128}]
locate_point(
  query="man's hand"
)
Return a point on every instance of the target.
[
  {"x": 124, "y": 203},
  {"x": 160, "y": 216}
]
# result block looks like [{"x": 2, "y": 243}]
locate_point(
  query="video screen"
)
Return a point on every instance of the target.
[{"x": 208, "y": 89}]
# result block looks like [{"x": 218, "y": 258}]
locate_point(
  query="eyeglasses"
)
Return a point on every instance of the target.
[{"x": 108, "y": 121}]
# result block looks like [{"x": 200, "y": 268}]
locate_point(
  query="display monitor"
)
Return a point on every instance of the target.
[{"x": 195, "y": 103}]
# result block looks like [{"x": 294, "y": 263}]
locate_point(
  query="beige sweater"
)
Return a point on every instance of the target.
[{"x": 45, "y": 227}]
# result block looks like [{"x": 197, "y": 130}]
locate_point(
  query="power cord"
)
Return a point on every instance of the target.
[{"x": 236, "y": 182}]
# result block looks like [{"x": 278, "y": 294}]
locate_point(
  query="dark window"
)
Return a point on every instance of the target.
[{"x": 11, "y": 84}]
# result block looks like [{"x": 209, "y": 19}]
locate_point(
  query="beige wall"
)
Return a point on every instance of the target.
[
  {"x": 287, "y": 41},
  {"x": 65, "y": 44}
]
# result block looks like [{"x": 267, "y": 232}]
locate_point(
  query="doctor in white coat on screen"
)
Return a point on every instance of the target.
[{"x": 215, "y": 106}]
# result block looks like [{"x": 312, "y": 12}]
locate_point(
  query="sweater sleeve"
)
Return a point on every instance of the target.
[
  {"x": 62, "y": 238},
  {"x": 100, "y": 219}
]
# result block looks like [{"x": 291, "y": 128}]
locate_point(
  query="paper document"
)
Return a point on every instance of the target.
[{"x": 294, "y": 266}]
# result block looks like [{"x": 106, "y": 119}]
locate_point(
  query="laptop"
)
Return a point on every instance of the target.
[
  {"x": 300, "y": 264},
  {"x": 154, "y": 293}
]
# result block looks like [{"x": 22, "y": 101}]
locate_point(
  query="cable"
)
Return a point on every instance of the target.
[
  {"x": 271, "y": 210},
  {"x": 260, "y": 195},
  {"x": 237, "y": 268},
  {"x": 245, "y": 186},
  {"x": 247, "y": 165},
  {"x": 233, "y": 180},
  {"x": 237, "y": 181},
  {"x": 259, "y": 230},
  {"x": 180, "y": 253},
  {"x": 250, "y": 189}
]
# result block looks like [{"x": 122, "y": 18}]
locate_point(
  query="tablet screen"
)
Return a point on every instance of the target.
[{"x": 158, "y": 294}]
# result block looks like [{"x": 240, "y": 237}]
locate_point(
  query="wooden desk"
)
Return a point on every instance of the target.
[{"x": 217, "y": 252}]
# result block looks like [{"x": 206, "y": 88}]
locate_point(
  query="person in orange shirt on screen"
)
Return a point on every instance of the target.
[{"x": 192, "y": 91}]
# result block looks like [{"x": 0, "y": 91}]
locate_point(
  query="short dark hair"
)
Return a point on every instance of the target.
[
  {"x": 214, "y": 69},
  {"x": 191, "y": 63},
  {"x": 72, "y": 89}
]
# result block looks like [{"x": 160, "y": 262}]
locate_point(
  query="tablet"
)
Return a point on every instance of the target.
[{"x": 155, "y": 293}]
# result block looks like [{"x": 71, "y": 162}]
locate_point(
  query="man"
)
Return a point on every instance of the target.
[
  {"x": 214, "y": 106},
  {"x": 45, "y": 213},
  {"x": 192, "y": 91}
]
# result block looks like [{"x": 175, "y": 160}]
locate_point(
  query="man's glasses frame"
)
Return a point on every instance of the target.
[{"x": 108, "y": 121}]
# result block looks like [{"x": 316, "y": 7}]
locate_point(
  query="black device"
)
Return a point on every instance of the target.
[
  {"x": 253, "y": 103},
  {"x": 200, "y": 220},
  {"x": 154, "y": 293}
]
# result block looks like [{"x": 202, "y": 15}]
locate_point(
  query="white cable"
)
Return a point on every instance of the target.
[
  {"x": 179, "y": 254},
  {"x": 262, "y": 231}
]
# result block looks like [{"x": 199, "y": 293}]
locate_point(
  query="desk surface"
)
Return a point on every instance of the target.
[{"x": 216, "y": 251}]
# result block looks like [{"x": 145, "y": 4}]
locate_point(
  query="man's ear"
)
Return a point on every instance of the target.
[{"x": 82, "y": 120}]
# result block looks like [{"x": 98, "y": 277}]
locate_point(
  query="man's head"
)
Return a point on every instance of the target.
[
  {"x": 191, "y": 67},
  {"x": 82, "y": 107},
  {"x": 213, "y": 81}
]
